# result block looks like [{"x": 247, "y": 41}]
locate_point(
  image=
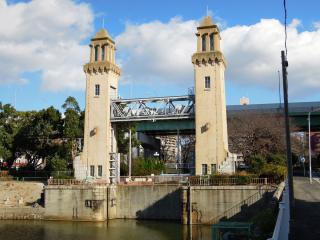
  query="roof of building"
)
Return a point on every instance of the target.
[
  {"x": 207, "y": 21},
  {"x": 102, "y": 33}
]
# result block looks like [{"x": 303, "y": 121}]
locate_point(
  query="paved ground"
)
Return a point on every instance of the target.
[{"x": 307, "y": 209}]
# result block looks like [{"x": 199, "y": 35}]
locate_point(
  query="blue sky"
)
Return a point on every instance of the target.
[{"x": 37, "y": 76}]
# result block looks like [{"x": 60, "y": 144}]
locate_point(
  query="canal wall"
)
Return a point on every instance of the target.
[
  {"x": 148, "y": 202},
  {"x": 76, "y": 202},
  {"x": 190, "y": 205},
  {"x": 205, "y": 204}
]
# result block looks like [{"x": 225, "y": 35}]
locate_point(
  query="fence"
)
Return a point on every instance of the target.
[
  {"x": 55, "y": 181},
  {"x": 217, "y": 181},
  {"x": 41, "y": 176},
  {"x": 155, "y": 179}
]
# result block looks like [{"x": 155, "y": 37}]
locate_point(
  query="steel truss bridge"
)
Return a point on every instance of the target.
[
  {"x": 178, "y": 112},
  {"x": 152, "y": 109}
]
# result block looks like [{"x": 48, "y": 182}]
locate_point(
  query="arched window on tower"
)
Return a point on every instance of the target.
[
  {"x": 211, "y": 42},
  {"x": 96, "y": 51},
  {"x": 203, "y": 42},
  {"x": 103, "y": 51}
]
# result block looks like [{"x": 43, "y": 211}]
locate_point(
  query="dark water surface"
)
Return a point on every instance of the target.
[{"x": 111, "y": 230}]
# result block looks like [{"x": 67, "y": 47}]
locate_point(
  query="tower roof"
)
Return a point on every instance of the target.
[
  {"x": 206, "y": 21},
  {"x": 102, "y": 33}
]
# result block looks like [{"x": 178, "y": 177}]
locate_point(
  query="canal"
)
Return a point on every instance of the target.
[{"x": 111, "y": 230}]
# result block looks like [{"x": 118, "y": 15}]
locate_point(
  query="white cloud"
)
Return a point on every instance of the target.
[
  {"x": 158, "y": 52},
  {"x": 44, "y": 36}
]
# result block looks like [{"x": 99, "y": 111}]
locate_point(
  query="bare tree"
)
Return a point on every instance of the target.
[{"x": 252, "y": 133}]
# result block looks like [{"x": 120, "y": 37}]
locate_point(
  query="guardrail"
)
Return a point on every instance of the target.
[{"x": 281, "y": 230}]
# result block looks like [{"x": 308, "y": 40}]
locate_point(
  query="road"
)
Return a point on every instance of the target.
[{"x": 307, "y": 209}]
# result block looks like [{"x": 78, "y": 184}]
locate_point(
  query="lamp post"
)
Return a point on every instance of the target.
[{"x": 309, "y": 125}]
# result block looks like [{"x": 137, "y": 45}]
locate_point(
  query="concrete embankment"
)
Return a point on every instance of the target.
[
  {"x": 191, "y": 205},
  {"x": 91, "y": 202}
]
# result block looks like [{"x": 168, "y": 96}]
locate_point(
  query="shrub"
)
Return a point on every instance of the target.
[
  {"x": 257, "y": 164},
  {"x": 143, "y": 167}
]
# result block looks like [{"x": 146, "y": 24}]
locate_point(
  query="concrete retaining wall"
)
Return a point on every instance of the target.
[
  {"x": 209, "y": 202},
  {"x": 149, "y": 202},
  {"x": 83, "y": 202},
  {"x": 195, "y": 205}
]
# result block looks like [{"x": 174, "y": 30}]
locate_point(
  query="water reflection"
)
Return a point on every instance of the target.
[{"x": 112, "y": 230}]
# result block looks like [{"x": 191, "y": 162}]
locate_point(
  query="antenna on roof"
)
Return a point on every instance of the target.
[
  {"x": 102, "y": 22},
  {"x": 207, "y": 11}
]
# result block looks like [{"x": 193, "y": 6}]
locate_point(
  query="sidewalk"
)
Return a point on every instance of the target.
[{"x": 307, "y": 209}]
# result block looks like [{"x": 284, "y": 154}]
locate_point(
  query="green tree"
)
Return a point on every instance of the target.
[
  {"x": 143, "y": 167},
  {"x": 72, "y": 126},
  {"x": 123, "y": 142},
  {"x": 10, "y": 123},
  {"x": 257, "y": 164},
  {"x": 39, "y": 137}
]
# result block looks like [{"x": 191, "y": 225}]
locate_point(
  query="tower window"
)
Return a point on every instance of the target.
[
  {"x": 97, "y": 90},
  {"x": 211, "y": 42},
  {"x": 92, "y": 170},
  {"x": 103, "y": 52},
  {"x": 96, "y": 50},
  {"x": 213, "y": 168},
  {"x": 204, "y": 169},
  {"x": 207, "y": 82},
  {"x": 100, "y": 170},
  {"x": 203, "y": 42}
]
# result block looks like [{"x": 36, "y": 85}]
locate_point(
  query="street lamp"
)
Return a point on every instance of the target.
[{"x": 309, "y": 124}]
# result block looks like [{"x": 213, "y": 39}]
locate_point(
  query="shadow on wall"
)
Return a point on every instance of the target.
[
  {"x": 262, "y": 214},
  {"x": 168, "y": 207},
  {"x": 248, "y": 213}
]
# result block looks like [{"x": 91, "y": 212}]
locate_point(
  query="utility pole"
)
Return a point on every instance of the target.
[
  {"x": 310, "y": 157},
  {"x": 288, "y": 140},
  {"x": 130, "y": 150}
]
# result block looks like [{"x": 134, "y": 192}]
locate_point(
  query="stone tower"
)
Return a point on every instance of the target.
[
  {"x": 102, "y": 74},
  {"x": 212, "y": 153}
]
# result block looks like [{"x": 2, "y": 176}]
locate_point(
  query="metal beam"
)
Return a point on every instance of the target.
[{"x": 156, "y": 108}]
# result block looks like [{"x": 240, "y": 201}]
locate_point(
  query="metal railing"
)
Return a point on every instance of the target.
[
  {"x": 156, "y": 179},
  {"x": 217, "y": 181},
  {"x": 181, "y": 179}
]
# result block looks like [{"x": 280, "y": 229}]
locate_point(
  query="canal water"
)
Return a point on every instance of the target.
[{"x": 111, "y": 230}]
